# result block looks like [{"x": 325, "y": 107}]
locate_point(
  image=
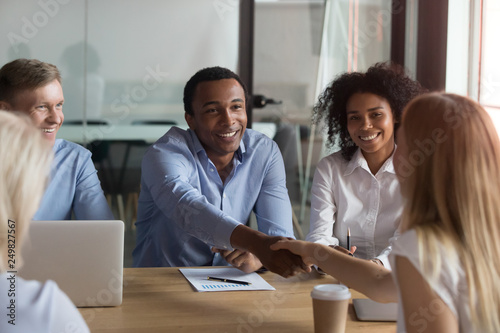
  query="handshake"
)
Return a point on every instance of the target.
[{"x": 284, "y": 256}]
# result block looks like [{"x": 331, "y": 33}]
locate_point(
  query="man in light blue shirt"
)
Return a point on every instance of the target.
[
  {"x": 34, "y": 87},
  {"x": 74, "y": 187},
  {"x": 199, "y": 187}
]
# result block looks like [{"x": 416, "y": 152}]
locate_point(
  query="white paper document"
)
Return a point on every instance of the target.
[{"x": 198, "y": 277}]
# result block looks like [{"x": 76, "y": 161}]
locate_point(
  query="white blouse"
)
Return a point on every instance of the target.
[
  {"x": 345, "y": 194},
  {"x": 451, "y": 285}
]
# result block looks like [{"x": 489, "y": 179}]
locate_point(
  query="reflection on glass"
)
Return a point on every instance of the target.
[
  {"x": 135, "y": 56},
  {"x": 149, "y": 51},
  {"x": 300, "y": 46},
  {"x": 74, "y": 61}
]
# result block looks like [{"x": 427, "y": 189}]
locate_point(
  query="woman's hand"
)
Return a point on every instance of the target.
[
  {"x": 310, "y": 253},
  {"x": 343, "y": 250}
]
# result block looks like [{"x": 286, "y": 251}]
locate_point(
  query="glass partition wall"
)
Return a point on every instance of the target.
[
  {"x": 124, "y": 65},
  {"x": 300, "y": 46},
  {"x": 489, "y": 83},
  {"x": 122, "y": 61}
]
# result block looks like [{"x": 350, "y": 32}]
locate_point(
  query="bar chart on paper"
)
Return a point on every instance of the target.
[
  {"x": 198, "y": 277},
  {"x": 224, "y": 286}
]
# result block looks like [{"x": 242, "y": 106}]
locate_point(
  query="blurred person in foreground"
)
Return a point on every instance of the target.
[{"x": 28, "y": 306}]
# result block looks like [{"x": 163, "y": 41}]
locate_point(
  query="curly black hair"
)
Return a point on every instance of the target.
[
  {"x": 208, "y": 74},
  {"x": 387, "y": 80}
]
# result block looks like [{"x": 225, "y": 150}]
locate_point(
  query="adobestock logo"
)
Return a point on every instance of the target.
[
  {"x": 121, "y": 107},
  {"x": 264, "y": 309},
  {"x": 372, "y": 29},
  {"x": 94, "y": 305},
  {"x": 30, "y": 28},
  {"x": 490, "y": 88},
  {"x": 426, "y": 147},
  {"x": 420, "y": 319},
  {"x": 224, "y": 6}
]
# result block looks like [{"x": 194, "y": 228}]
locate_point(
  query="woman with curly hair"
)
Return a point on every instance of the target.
[{"x": 356, "y": 188}]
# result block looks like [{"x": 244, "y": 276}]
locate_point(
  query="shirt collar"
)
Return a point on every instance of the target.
[
  {"x": 359, "y": 161},
  {"x": 242, "y": 150},
  {"x": 198, "y": 147}
]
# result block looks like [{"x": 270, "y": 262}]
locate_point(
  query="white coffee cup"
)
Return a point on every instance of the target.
[{"x": 330, "y": 303}]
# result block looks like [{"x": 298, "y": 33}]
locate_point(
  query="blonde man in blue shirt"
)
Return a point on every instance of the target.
[
  {"x": 199, "y": 187},
  {"x": 34, "y": 87}
]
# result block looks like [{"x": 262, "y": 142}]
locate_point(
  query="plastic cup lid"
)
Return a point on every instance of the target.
[{"x": 331, "y": 292}]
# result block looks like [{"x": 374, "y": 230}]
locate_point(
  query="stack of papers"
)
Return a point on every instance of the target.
[{"x": 198, "y": 277}]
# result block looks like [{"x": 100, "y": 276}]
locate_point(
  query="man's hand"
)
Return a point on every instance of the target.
[
  {"x": 307, "y": 251},
  {"x": 282, "y": 262},
  {"x": 242, "y": 260}
]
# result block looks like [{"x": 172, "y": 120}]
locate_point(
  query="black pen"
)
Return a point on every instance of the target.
[{"x": 227, "y": 280}]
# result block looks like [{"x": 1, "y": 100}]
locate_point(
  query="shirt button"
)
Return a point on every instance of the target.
[
  {"x": 224, "y": 195},
  {"x": 212, "y": 169}
]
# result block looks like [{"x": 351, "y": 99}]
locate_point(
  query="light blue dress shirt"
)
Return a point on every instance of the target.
[
  {"x": 185, "y": 209},
  {"x": 74, "y": 186}
]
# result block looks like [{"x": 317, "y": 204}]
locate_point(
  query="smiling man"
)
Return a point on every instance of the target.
[
  {"x": 34, "y": 87},
  {"x": 199, "y": 187}
]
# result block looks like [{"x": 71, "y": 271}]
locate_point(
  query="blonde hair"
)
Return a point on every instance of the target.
[
  {"x": 25, "y": 158},
  {"x": 453, "y": 146}
]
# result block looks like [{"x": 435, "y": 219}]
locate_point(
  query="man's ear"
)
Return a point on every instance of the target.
[
  {"x": 5, "y": 106},
  {"x": 189, "y": 120}
]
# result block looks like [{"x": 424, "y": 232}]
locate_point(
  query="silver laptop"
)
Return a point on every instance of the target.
[
  {"x": 85, "y": 258},
  {"x": 368, "y": 310}
]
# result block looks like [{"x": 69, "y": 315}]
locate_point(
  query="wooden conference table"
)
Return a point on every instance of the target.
[{"x": 162, "y": 300}]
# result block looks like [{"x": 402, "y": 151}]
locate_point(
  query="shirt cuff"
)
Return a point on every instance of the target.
[
  {"x": 326, "y": 242},
  {"x": 223, "y": 232},
  {"x": 385, "y": 260}
]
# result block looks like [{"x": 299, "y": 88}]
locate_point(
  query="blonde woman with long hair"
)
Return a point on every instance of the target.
[
  {"x": 446, "y": 263},
  {"x": 28, "y": 306}
]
